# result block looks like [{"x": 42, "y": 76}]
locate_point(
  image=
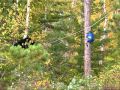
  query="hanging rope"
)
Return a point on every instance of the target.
[{"x": 81, "y": 29}]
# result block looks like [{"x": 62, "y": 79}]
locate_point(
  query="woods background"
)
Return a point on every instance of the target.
[{"x": 56, "y": 60}]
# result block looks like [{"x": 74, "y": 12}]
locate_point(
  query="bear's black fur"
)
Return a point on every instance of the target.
[{"x": 24, "y": 42}]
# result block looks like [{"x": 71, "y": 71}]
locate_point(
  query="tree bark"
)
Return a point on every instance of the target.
[
  {"x": 87, "y": 46},
  {"x": 45, "y": 13},
  {"x": 27, "y": 18},
  {"x": 73, "y": 3},
  {"x": 17, "y": 4},
  {"x": 104, "y": 9},
  {"x": 104, "y": 36}
]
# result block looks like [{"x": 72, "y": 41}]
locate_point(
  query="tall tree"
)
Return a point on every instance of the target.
[
  {"x": 27, "y": 18},
  {"x": 17, "y": 3},
  {"x": 104, "y": 36},
  {"x": 73, "y": 3},
  {"x": 87, "y": 47}
]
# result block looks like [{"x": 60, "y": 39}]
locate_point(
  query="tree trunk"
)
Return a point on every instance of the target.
[
  {"x": 46, "y": 14},
  {"x": 87, "y": 47},
  {"x": 16, "y": 8},
  {"x": 27, "y": 18},
  {"x": 104, "y": 36},
  {"x": 73, "y": 3},
  {"x": 17, "y": 4}
]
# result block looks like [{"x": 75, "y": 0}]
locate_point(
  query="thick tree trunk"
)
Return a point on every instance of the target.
[
  {"x": 87, "y": 47},
  {"x": 27, "y": 17}
]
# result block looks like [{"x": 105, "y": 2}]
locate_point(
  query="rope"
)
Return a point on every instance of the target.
[{"x": 82, "y": 29}]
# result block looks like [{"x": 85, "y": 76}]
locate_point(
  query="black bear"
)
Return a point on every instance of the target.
[{"x": 24, "y": 42}]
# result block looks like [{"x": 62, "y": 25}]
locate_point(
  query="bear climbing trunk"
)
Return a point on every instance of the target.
[{"x": 87, "y": 47}]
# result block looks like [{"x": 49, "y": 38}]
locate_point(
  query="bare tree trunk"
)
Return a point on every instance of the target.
[
  {"x": 45, "y": 14},
  {"x": 104, "y": 36},
  {"x": 16, "y": 7},
  {"x": 87, "y": 47},
  {"x": 27, "y": 18},
  {"x": 17, "y": 4},
  {"x": 104, "y": 9},
  {"x": 105, "y": 22},
  {"x": 73, "y": 3}
]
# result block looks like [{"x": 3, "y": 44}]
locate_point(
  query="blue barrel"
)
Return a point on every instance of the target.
[{"x": 90, "y": 37}]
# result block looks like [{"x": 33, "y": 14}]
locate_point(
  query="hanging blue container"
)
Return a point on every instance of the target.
[{"x": 90, "y": 37}]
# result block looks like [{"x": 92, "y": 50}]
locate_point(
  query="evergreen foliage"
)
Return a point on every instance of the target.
[{"x": 55, "y": 61}]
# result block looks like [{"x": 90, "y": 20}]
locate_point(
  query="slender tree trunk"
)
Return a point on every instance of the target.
[
  {"x": 105, "y": 22},
  {"x": 27, "y": 18},
  {"x": 87, "y": 47},
  {"x": 45, "y": 14},
  {"x": 17, "y": 4},
  {"x": 73, "y": 3},
  {"x": 104, "y": 9},
  {"x": 104, "y": 36}
]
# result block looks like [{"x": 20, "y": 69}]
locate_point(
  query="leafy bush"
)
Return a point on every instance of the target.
[
  {"x": 78, "y": 83},
  {"x": 110, "y": 78},
  {"x": 24, "y": 66}
]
